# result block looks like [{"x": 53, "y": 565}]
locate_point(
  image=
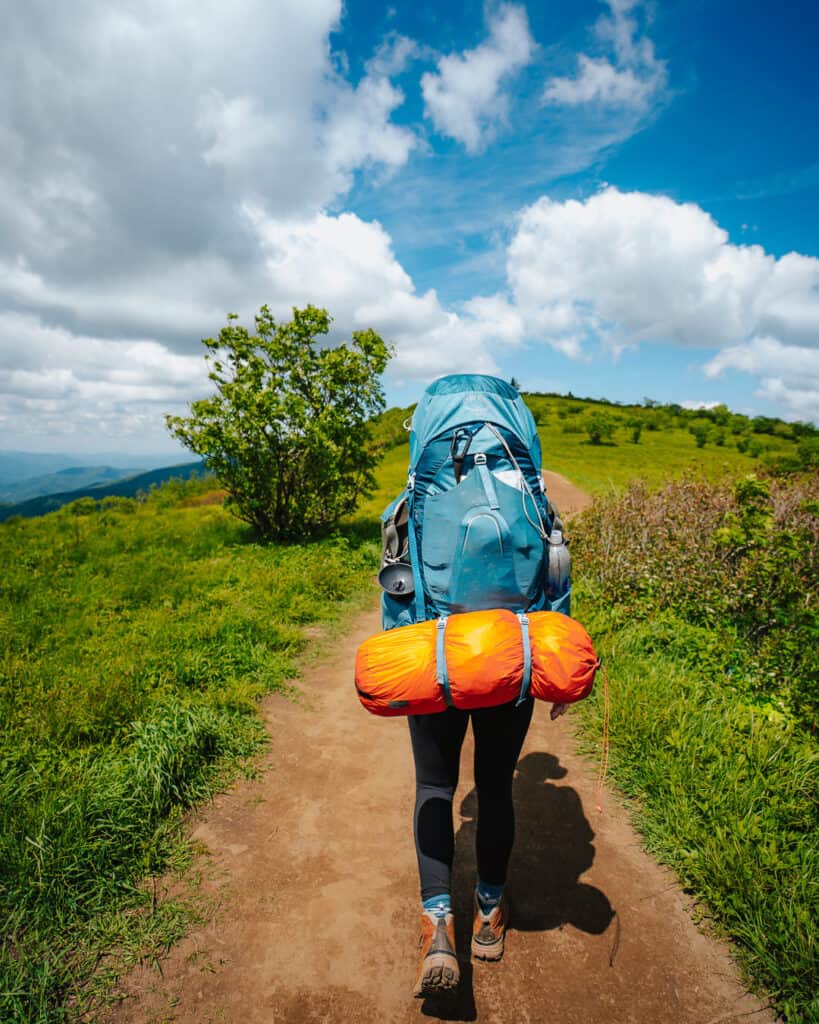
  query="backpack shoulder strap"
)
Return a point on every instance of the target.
[{"x": 417, "y": 579}]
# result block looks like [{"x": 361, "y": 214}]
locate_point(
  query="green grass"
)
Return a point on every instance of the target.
[
  {"x": 660, "y": 456},
  {"x": 136, "y": 642},
  {"x": 722, "y": 792}
]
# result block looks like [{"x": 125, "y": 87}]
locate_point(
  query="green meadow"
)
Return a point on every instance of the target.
[{"x": 138, "y": 635}]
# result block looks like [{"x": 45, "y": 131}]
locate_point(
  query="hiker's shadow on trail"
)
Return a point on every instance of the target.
[{"x": 553, "y": 848}]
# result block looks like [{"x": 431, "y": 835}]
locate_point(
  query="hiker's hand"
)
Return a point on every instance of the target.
[{"x": 558, "y": 710}]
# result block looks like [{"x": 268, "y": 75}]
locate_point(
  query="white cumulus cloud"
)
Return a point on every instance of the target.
[
  {"x": 630, "y": 78},
  {"x": 465, "y": 97},
  {"x": 788, "y": 374},
  {"x": 348, "y": 266},
  {"x": 133, "y": 136},
  {"x": 57, "y": 384},
  {"x": 631, "y": 268}
]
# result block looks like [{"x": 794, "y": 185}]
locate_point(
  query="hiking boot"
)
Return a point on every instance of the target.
[
  {"x": 438, "y": 970},
  {"x": 489, "y": 931}
]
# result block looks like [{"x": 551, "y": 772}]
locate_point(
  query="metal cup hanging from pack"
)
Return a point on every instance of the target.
[{"x": 396, "y": 572}]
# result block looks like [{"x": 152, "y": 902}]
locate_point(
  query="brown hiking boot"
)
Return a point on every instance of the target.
[
  {"x": 438, "y": 970},
  {"x": 489, "y": 931}
]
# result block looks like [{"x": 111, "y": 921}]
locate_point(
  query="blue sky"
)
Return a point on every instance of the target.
[{"x": 620, "y": 199}]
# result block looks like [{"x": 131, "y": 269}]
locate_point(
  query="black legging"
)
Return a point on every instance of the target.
[{"x": 436, "y": 744}]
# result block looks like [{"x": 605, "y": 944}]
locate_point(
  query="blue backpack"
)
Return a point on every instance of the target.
[{"x": 473, "y": 528}]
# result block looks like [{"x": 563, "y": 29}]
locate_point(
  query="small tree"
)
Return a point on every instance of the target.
[
  {"x": 636, "y": 427},
  {"x": 700, "y": 432},
  {"x": 286, "y": 431},
  {"x": 599, "y": 426}
]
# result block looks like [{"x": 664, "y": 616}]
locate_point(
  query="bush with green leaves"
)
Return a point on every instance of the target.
[
  {"x": 741, "y": 560},
  {"x": 287, "y": 431},
  {"x": 389, "y": 428},
  {"x": 599, "y": 426}
]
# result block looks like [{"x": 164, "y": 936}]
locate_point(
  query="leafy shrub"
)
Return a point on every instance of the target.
[
  {"x": 599, "y": 426},
  {"x": 804, "y": 459},
  {"x": 286, "y": 431},
  {"x": 740, "y": 560},
  {"x": 388, "y": 428}
]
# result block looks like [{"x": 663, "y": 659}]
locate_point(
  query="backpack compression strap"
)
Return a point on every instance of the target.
[
  {"x": 527, "y": 658},
  {"x": 418, "y": 583},
  {"x": 440, "y": 661}
]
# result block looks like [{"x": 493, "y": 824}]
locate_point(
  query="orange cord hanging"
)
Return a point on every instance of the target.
[{"x": 604, "y": 750}]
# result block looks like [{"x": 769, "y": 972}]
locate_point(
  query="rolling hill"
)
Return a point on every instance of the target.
[{"x": 124, "y": 488}]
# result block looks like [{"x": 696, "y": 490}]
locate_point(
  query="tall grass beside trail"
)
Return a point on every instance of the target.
[
  {"x": 702, "y": 603},
  {"x": 136, "y": 640},
  {"x": 741, "y": 559}
]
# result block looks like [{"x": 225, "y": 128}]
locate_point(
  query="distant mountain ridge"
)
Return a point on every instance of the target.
[
  {"x": 128, "y": 487},
  {"x": 17, "y": 466},
  {"x": 71, "y": 478}
]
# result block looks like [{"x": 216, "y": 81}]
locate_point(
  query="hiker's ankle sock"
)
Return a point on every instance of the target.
[
  {"x": 439, "y": 905},
  {"x": 489, "y": 896}
]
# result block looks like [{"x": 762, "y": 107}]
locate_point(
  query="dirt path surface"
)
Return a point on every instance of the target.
[{"x": 312, "y": 871}]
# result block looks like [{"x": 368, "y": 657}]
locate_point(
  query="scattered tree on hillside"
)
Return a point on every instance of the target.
[
  {"x": 391, "y": 428},
  {"x": 636, "y": 426},
  {"x": 700, "y": 432},
  {"x": 599, "y": 426},
  {"x": 286, "y": 431}
]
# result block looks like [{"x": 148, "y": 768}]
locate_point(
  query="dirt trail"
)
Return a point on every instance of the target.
[{"x": 312, "y": 870}]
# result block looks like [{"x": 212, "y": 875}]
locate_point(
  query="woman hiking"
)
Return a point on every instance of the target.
[{"x": 473, "y": 530}]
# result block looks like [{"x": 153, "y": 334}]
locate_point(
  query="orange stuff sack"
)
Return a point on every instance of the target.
[{"x": 475, "y": 660}]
